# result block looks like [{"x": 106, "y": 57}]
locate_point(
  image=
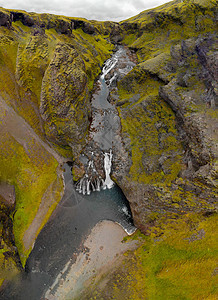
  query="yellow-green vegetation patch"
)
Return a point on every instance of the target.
[
  {"x": 150, "y": 124},
  {"x": 8, "y": 268},
  {"x": 156, "y": 66},
  {"x": 177, "y": 261},
  {"x": 152, "y": 133},
  {"x": 97, "y": 49},
  {"x": 181, "y": 262},
  {"x": 166, "y": 25},
  {"x": 31, "y": 170},
  {"x": 32, "y": 60}
]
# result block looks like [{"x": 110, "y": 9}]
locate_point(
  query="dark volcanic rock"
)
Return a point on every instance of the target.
[
  {"x": 23, "y": 17},
  {"x": 85, "y": 26},
  {"x": 208, "y": 57},
  {"x": 5, "y": 19},
  {"x": 61, "y": 26},
  {"x": 116, "y": 34}
]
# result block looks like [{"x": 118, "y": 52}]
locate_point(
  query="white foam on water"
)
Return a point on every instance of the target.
[
  {"x": 109, "y": 65},
  {"x": 108, "y": 183}
]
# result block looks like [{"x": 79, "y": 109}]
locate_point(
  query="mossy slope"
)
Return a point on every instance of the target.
[
  {"x": 48, "y": 65},
  {"x": 165, "y": 106}
]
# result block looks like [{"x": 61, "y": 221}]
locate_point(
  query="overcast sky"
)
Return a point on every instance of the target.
[{"x": 91, "y": 9}]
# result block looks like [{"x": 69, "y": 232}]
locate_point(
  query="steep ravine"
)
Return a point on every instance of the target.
[
  {"x": 166, "y": 159},
  {"x": 77, "y": 215}
]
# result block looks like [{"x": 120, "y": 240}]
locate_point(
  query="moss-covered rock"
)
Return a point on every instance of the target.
[
  {"x": 5, "y": 18},
  {"x": 65, "y": 105},
  {"x": 9, "y": 256},
  {"x": 164, "y": 105}
]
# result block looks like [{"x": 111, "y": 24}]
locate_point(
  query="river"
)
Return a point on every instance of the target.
[{"x": 62, "y": 238}]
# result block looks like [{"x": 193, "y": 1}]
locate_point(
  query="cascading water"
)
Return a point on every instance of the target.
[
  {"x": 104, "y": 127},
  {"x": 109, "y": 65},
  {"x": 108, "y": 183},
  {"x": 92, "y": 181}
]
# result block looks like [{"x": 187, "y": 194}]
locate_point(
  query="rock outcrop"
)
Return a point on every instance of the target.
[
  {"x": 167, "y": 106},
  {"x": 65, "y": 98}
]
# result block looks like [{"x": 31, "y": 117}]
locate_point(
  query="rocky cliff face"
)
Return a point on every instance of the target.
[{"x": 167, "y": 105}]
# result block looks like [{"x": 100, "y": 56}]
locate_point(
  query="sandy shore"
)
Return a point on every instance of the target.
[{"x": 103, "y": 249}]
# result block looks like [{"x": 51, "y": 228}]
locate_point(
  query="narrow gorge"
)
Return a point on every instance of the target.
[{"x": 108, "y": 155}]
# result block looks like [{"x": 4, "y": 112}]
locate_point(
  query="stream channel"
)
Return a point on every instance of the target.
[{"x": 82, "y": 205}]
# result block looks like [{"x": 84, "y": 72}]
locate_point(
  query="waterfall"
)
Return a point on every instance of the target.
[
  {"x": 104, "y": 126},
  {"x": 108, "y": 183},
  {"x": 92, "y": 181},
  {"x": 109, "y": 65}
]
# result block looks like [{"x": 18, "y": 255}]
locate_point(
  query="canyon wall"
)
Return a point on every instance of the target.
[{"x": 167, "y": 105}]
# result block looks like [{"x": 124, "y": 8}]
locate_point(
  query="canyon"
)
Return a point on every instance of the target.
[{"x": 160, "y": 143}]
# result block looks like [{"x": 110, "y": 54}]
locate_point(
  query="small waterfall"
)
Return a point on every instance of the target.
[
  {"x": 109, "y": 65},
  {"x": 113, "y": 79},
  {"x": 108, "y": 183},
  {"x": 92, "y": 181}
]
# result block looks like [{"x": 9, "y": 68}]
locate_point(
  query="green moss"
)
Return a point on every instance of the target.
[
  {"x": 150, "y": 125},
  {"x": 181, "y": 261},
  {"x": 8, "y": 267},
  {"x": 168, "y": 24},
  {"x": 177, "y": 261},
  {"x": 31, "y": 172},
  {"x": 32, "y": 61}
]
